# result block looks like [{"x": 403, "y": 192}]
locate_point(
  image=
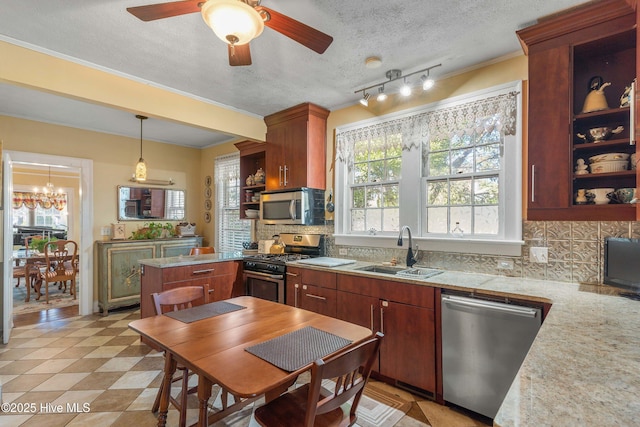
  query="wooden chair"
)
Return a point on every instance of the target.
[
  {"x": 173, "y": 300},
  {"x": 202, "y": 250},
  {"x": 61, "y": 258},
  {"x": 19, "y": 270},
  {"x": 313, "y": 405}
]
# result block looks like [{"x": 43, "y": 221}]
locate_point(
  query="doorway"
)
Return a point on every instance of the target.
[{"x": 83, "y": 170}]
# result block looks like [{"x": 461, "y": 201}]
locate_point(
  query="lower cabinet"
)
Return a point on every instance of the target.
[
  {"x": 312, "y": 290},
  {"x": 220, "y": 276},
  {"x": 405, "y": 314},
  {"x": 118, "y": 272}
]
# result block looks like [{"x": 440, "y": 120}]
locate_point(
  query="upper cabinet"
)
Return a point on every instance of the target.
[
  {"x": 580, "y": 63},
  {"x": 296, "y": 152}
]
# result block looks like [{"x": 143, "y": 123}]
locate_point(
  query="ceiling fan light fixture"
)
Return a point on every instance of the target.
[{"x": 233, "y": 21}]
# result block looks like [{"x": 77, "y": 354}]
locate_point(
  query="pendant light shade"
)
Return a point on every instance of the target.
[
  {"x": 141, "y": 167},
  {"x": 233, "y": 21}
]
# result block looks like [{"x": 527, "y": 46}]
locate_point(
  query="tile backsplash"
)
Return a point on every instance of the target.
[{"x": 575, "y": 250}]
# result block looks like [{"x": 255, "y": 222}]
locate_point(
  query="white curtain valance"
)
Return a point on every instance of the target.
[{"x": 496, "y": 112}]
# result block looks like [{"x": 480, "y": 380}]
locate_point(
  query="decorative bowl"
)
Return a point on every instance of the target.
[
  {"x": 252, "y": 213},
  {"x": 599, "y": 133},
  {"x": 601, "y": 195},
  {"x": 608, "y": 157},
  {"x": 609, "y": 166}
]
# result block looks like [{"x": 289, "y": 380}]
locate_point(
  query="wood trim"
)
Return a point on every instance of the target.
[
  {"x": 584, "y": 213},
  {"x": 250, "y": 147},
  {"x": 439, "y": 394},
  {"x": 573, "y": 19},
  {"x": 299, "y": 111}
]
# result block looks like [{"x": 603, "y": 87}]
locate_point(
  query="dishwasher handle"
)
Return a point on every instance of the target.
[{"x": 488, "y": 305}]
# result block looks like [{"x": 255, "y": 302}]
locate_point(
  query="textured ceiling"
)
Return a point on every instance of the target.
[{"x": 183, "y": 54}]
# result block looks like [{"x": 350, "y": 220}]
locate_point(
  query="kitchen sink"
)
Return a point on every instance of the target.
[
  {"x": 381, "y": 269},
  {"x": 413, "y": 273}
]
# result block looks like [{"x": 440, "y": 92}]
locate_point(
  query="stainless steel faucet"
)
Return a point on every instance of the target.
[{"x": 410, "y": 258}]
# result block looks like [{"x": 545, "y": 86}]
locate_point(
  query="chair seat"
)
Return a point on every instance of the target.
[{"x": 290, "y": 408}]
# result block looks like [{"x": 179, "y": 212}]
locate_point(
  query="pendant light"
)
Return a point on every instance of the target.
[{"x": 141, "y": 167}]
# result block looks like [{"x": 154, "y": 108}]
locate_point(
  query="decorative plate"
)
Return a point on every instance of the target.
[
  {"x": 207, "y": 217},
  {"x": 207, "y": 192},
  {"x": 207, "y": 181},
  {"x": 207, "y": 205}
]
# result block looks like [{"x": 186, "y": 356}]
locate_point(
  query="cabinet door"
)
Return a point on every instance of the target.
[
  {"x": 319, "y": 300},
  {"x": 359, "y": 309},
  {"x": 274, "y": 158},
  {"x": 407, "y": 352},
  {"x": 295, "y": 154},
  {"x": 549, "y": 145},
  {"x": 222, "y": 287}
]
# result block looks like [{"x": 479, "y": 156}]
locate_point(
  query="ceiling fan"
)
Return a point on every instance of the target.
[{"x": 237, "y": 22}]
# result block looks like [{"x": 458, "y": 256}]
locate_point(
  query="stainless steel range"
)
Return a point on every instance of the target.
[{"x": 264, "y": 274}]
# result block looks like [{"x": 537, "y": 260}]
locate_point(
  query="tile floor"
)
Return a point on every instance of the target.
[{"x": 97, "y": 364}]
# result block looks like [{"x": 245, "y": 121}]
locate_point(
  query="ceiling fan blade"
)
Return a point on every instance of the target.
[
  {"x": 151, "y": 12},
  {"x": 239, "y": 55},
  {"x": 296, "y": 30}
]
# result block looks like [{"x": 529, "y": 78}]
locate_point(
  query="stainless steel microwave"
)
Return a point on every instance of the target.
[{"x": 303, "y": 206}]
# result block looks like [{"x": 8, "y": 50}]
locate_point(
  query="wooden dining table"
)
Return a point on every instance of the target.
[
  {"x": 30, "y": 260},
  {"x": 215, "y": 349}
]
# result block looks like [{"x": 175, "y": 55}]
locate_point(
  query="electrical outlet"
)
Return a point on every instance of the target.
[
  {"x": 505, "y": 264},
  {"x": 539, "y": 255},
  {"x": 342, "y": 251}
]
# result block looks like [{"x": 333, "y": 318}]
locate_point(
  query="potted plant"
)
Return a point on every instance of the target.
[{"x": 38, "y": 243}]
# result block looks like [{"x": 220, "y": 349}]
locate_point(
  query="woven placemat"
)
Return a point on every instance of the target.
[
  {"x": 205, "y": 311},
  {"x": 296, "y": 349}
]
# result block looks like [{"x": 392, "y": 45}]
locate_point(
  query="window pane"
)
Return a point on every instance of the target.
[
  {"x": 461, "y": 214},
  {"x": 391, "y": 219},
  {"x": 438, "y": 145},
  {"x": 360, "y": 174},
  {"x": 437, "y": 220},
  {"x": 374, "y": 219},
  {"x": 461, "y": 141},
  {"x": 391, "y": 197},
  {"x": 376, "y": 171},
  {"x": 438, "y": 164},
  {"x": 437, "y": 193},
  {"x": 393, "y": 169},
  {"x": 361, "y": 151},
  {"x": 486, "y": 191},
  {"x": 376, "y": 149},
  {"x": 460, "y": 192},
  {"x": 487, "y": 220},
  {"x": 357, "y": 220},
  {"x": 358, "y": 198},
  {"x": 395, "y": 146},
  {"x": 488, "y": 158},
  {"x": 462, "y": 161},
  {"x": 374, "y": 197}
]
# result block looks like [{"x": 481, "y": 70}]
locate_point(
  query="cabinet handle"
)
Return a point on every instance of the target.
[
  {"x": 372, "y": 308},
  {"x": 533, "y": 183},
  {"x": 292, "y": 274},
  {"x": 280, "y": 175},
  {"x": 208, "y": 270},
  {"x": 285, "y": 175},
  {"x": 295, "y": 295},
  {"x": 632, "y": 113},
  {"x": 383, "y": 304},
  {"x": 316, "y": 297}
]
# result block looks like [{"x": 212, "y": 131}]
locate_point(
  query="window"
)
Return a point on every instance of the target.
[
  {"x": 456, "y": 161},
  {"x": 231, "y": 230},
  {"x": 175, "y": 204},
  {"x": 33, "y": 209}
]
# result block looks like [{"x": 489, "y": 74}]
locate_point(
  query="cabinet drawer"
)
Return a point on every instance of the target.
[
  {"x": 188, "y": 272},
  {"x": 321, "y": 279},
  {"x": 319, "y": 300},
  {"x": 418, "y": 295}
]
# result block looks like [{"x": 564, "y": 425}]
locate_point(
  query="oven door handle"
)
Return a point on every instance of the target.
[{"x": 259, "y": 275}]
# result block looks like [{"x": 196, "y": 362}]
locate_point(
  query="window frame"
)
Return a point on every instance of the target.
[
  {"x": 220, "y": 197},
  {"x": 507, "y": 243}
]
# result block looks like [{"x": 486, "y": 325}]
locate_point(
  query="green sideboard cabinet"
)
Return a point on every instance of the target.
[{"x": 118, "y": 272}]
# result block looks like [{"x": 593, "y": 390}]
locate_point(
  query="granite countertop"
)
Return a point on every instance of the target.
[
  {"x": 583, "y": 368},
  {"x": 179, "y": 261}
]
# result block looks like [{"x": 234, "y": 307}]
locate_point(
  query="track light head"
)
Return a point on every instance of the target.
[
  {"x": 427, "y": 82},
  {"x": 405, "y": 90},
  {"x": 381, "y": 95},
  {"x": 365, "y": 99}
]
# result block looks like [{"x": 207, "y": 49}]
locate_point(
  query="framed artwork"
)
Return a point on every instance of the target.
[
  {"x": 207, "y": 217},
  {"x": 207, "y": 181},
  {"x": 207, "y": 192},
  {"x": 207, "y": 205}
]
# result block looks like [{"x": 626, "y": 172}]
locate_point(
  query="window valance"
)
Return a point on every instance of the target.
[
  {"x": 33, "y": 200},
  {"x": 437, "y": 123}
]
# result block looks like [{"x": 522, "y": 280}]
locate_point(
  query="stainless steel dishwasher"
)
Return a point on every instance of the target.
[{"x": 483, "y": 346}]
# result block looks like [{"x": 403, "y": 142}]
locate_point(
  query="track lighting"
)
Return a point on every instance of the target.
[
  {"x": 392, "y": 76},
  {"x": 381, "y": 95},
  {"x": 365, "y": 99}
]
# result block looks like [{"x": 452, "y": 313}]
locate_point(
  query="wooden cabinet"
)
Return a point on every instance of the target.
[
  {"x": 252, "y": 158},
  {"x": 565, "y": 52},
  {"x": 118, "y": 272},
  {"x": 296, "y": 148},
  {"x": 311, "y": 290},
  {"x": 405, "y": 314},
  {"x": 220, "y": 276}
]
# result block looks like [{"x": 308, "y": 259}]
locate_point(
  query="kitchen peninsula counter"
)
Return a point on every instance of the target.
[
  {"x": 186, "y": 260},
  {"x": 583, "y": 369}
]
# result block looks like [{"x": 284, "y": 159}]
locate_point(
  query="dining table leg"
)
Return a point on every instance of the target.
[
  {"x": 170, "y": 365},
  {"x": 204, "y": 393}
]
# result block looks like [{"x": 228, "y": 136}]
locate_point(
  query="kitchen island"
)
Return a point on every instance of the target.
[{"x": 582, "y": 369}]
